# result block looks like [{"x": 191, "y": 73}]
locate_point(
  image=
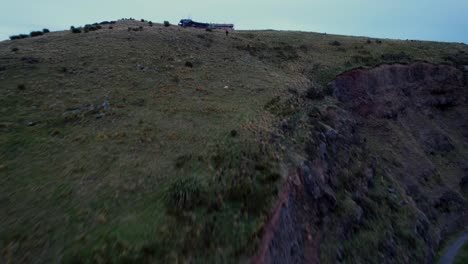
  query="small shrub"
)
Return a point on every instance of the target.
[
  {"x": 189, "y": 64},
  {"x": 233, "y": 133},
  {"x": 111, "y": 27},
  {"x": 335, "y": 43},
  {"x": 21, "y": 87},
  {"x": 140, "y": 28},
  {"x": 36, "y": 33},
  {"x": 166, "y": 23},
  {"x": 150, "y": 24},
  {"x": 378, "y": 41},
  {"x": 369, "y": 41},
  {"x": 45, "y": 31},
  {"x": 14, "y": 49},
  {"x": 75, "y": 30},
  {"x": 142, "y": 20},
  {"x": 315, "y": 93}
]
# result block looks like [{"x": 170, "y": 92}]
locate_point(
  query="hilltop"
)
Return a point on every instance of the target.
[{"x": 138, "y": 142}]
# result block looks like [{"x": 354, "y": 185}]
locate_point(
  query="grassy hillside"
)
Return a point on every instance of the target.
[{"x": 161, "y": 144}]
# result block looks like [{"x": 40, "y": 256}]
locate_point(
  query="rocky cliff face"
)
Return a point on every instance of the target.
[{"x": 381, "y": 180}]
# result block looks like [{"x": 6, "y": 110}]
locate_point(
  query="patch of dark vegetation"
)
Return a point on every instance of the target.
[
  {"x": 106, "y": 23},
  {"x": 281, "y": 107},
  {"x": 304, "y": 48},
  {"x": 459, "y": 59},
  {"x": 15, "y": 49},
  {"x": 91, "y": 27},
  {"x": 32, "y": 34},
  {"x": 396, "y": 57},
  {"x": 315, "y": 92},
  {"x": 335, "y": 43},
  {"x": 30, "y": 60},
  {"x": 181, "y": 161},
  {"x": 450, "y": 201},
  {"x": 443, "y": 103},
  {"x": 378, "y": 41},
  {"x": 2, "y": 68},
  {"x": 21, "y": 87},
  {"x": 75, "y": 30},
  {"x": 208, "y": 40},
  {"x": 167, "y": 24},
  {"x": 188, "y": 64},
  {"x": 20, "y": 36},
  {"x": 87, "y": 28},
  {"x": 36, "y": 33},
  {"x": 150, "y": 23},
  {"x": 233, "y": 133}
]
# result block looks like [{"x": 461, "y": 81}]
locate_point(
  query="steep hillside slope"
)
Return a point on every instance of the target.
[{"x": 166, "y": 144}]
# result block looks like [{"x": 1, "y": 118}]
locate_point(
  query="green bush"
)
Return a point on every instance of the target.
[
  {"x": 166, "y": 23},
  {"x": 45, "y": 30}
]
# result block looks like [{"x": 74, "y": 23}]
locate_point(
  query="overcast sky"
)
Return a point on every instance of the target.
[{"x": 441, "y": 20}]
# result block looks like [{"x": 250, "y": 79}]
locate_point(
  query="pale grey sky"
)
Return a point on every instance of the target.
[{"x": 441, "y": 20}]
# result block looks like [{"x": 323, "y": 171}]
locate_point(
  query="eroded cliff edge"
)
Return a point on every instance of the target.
[{"x": 382, "y": 176}]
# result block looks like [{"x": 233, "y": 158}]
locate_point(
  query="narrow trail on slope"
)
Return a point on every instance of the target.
[{"x": 452, "y": 250}]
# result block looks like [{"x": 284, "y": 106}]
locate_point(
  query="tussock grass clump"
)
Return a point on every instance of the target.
[{"x": 185, "y": 193}]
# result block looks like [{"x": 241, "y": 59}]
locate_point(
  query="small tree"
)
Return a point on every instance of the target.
[
  {"x": 166, "y": 23},
  {"x": 45, "y": 30}
]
